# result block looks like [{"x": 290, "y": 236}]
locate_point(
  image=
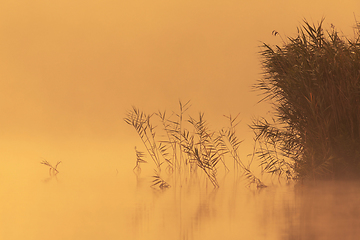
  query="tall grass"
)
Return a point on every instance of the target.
[
  {"x": 313, "y": 81},
  {"x": 187, "y": 154}
]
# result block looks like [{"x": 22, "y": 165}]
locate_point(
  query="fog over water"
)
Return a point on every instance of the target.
[{"x": 70, "y": 70}]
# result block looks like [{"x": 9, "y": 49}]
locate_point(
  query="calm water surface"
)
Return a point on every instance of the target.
[{"x": 108, "y": 206}]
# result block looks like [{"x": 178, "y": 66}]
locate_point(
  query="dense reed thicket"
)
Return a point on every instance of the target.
[
  {"x": 187, "y": 149},
  {"x": 313, "y": 81}
]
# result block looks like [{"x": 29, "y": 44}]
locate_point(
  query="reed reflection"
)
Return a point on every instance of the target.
[
  {"x": 195, "y": 212},
  {"x": 325, "y": 210}
]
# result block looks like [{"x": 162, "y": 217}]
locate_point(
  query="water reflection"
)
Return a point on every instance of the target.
[
  {"x": 109, "y": 207},
  {"x": 323, "y": 211}
]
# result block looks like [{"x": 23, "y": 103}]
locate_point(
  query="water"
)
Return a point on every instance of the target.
[{"x": 107, "y": 206}]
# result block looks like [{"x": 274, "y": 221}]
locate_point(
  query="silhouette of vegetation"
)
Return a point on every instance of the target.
[
  {"x": 52, "y": 170},
  {"x": 183, "y": 152},
  {"x": 158, "y": 181},
  {"x": 313, "y": 82},
  {"x": 139, "y": 159}
]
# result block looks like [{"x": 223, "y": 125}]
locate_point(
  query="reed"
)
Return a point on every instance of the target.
[
  {"x": 187, "y": 154},
  {"x": 52, "y": 169},
  {"x": 139, "y": 160},
  {"x": 313, "y": 82}
]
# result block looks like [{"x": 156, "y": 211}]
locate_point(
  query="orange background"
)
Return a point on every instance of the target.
[{"x": 69, "y": 70}]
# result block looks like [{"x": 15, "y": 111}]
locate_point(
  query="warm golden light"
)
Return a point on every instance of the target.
[{"x": 69, "y": 71}]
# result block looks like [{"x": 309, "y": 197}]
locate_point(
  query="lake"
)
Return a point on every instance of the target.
[{"x": 108, "y": 205}]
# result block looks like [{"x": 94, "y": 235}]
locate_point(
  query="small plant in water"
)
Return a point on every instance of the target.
[
  {"x": 158, "y": 181},
  {"x": 52, "y": 170},
  {"x": 139, "y": 159}
]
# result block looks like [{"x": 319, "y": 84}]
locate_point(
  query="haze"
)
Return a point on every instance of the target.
[{"x": 70, "y": 70}]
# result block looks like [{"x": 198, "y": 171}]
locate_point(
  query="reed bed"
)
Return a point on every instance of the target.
[
  {"x": 184, "y": 154},
  {"x": 313, "y": 82}
]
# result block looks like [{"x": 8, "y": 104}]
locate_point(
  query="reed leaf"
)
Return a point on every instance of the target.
[
  {"x": 159, "y": 182},
  {"x": 139, "y": 159}
]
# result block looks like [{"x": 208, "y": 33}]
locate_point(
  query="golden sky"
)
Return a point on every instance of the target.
[{"x": 71, "y": 69}]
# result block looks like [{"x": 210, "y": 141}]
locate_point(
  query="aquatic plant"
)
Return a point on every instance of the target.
[
  {"x": 185, "y": 151},
  {"x": 139, "y": 159},
  {"x": 158, "y": 181},
  {"x": 229, "y": 143},
  {"x": 313, "y": 82},
  {"x": 52, "y": 169}
]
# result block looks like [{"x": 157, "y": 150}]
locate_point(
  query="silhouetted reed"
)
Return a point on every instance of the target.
[
  {"x": 313, "y": 81},
  {"x": 183, "y": 152},
  {"x": 139, "y": 159},
  {"x": 52, "y": 170}
]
